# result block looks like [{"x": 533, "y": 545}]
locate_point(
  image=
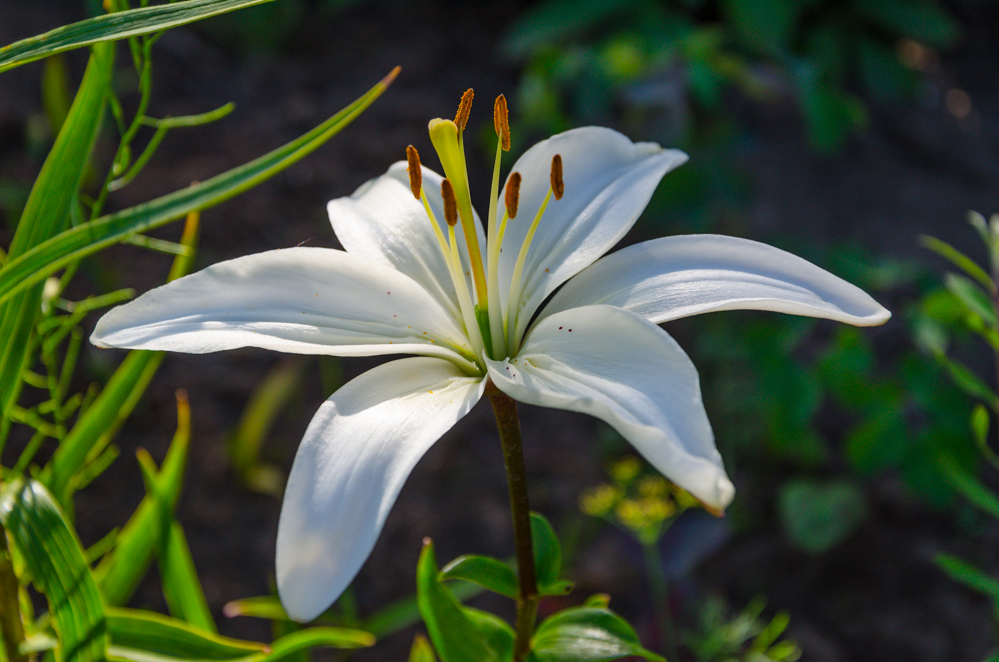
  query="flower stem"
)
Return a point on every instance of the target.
[
  {"x": 660, "y": 597},
  {"x": 505, "y": 409},
  {"x": 11, "y": 627}
]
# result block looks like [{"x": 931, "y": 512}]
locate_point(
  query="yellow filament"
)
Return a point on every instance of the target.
[
  {"x": 495, "y": 320},
  {"x": 457, "y": 278},
  {"x": 464, "y": 298},
  {"x": 513, "y": 302}
]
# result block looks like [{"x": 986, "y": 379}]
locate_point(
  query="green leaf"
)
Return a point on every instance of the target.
[
  {"x": 959, "y": 260},
  {"x": 968, "y": 484},
  {"x": 486, "y": 571},
  {"x": 315, "y": 637},
  {"x": 55, "y": 560},
  {"x": 498, "y": 634},
  {"x": 966, "y": 380},
  {"x": 972, "y": 577},
  {"x": 830, "y": 113},
  {"x": 973, "y": 297},
  {"x": 266, "y": 403},
  {"x": 120, "y": 571},
  {"x": 547, "y": 551},
  {"x": 548, "y": 23},
  {"x": 586, "y": 634},
  {"x": 88, "y": 238},
  {"x": 923, "y": 21},
  {"x": 817, "y": 516},
  {"x": 119, "y": 25},
  {"x": 142, "y": 636},
  {"x": 456, "y": 637},
  {"x": 47, "y": 213},
  {"x": 100, "y": 422},
  {"x": 181, "y": 586},
  {"x": 980, "y": 425},
  {"x": 766, "y": 25},
  {"x": 421, "y": 651}
]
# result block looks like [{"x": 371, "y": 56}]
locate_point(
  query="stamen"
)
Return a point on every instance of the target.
[
  {"x": 464, "y": 109},
  {"x": 415, "y": 171},
  {"x": 501, "y": 122},
  {"x": 558, "y": 186},
  {"x": 513, "y": 301},
  {"x": 465, "y": 305},
  {"x": 512, "y": 194},
  {"x": 450, "y": 204}
]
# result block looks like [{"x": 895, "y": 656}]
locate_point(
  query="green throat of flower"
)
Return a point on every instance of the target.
[{"x": 490, "y": 328}]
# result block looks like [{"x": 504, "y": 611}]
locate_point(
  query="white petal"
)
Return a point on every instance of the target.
[
  {"x": 383, "y": 222},
  {"x": 673, "y": 277},
  {"x": 357, "y": 453},
  {"x": 299, "y": 300},
  {"x": 608, "y": 182},
  {"x": 626, "y": 371}
]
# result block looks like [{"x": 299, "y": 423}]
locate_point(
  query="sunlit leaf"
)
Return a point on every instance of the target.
[
  {"x": 47, "y": 212},
  {"x": 56, "y": 563},
  {"x": 87, "y": 238},
  {"x": 143, "y": 636},
  {"x": 101, "y": 421},
  {"x": 456, "y": 638},
  {"x": 119, "y": 25},
  {"x": 958, "y": 259},
  {"x": 421, "y": 650},
  {"x": 120, "y": 571},
  {"x": 587, "y": 634},
  {"x": 485, "y": 571}
]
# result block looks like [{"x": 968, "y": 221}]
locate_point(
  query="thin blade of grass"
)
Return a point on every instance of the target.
[
  {"x": 88, "y": 238},
  {"x": 119, "y": 25}
]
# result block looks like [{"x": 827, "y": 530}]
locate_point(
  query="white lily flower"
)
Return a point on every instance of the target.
[{"x": 399, "y": 288}]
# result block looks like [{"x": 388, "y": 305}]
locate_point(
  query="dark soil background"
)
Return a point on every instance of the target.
[{"x": 917, "y": 169}]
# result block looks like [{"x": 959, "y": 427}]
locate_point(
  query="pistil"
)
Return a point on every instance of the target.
[{"x": 444, "y": 135}]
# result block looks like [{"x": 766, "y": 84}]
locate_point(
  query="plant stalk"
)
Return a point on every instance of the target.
[
  {"x": 11, "y": 627},
  {"x": 505, "y": 409},
  {"x": 660, "y": 596}
]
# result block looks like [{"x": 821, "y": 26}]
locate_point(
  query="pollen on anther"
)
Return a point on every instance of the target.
[
  {"x": 450, "y": 204},
  {"x": 501, "y": 122},
  {"x": 512, "y": 194},
  {"x": 415, "y": 171},
  {"x": 464, "y": 109},
  {"x": 558, "y": 186}
]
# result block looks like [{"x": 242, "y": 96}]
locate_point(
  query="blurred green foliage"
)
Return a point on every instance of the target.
[
  {"x": 743, "y": 637},
  {"x": 670, "y": 63}
]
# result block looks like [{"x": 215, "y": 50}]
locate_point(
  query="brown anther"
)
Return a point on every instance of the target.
[
  {"x": 558, "y": 186},
  {"x": 464, "y": 109},
  {"x": 512, "y": 194},
  {"x": 501, "y": 122},
  {"x": 414, "y": 170},
  {"x": 450, "y": 204}
]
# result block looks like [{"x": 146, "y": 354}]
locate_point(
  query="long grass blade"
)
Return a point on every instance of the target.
[
  {"x": 88, "y": 238},
  {"x": 119, "y": 25}
]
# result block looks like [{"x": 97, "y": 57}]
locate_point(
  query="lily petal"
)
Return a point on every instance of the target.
[
  {"x": 608, "y": 181},
  {"x": 357, "y": 452},
  {"x": 299, "y": 300},
  {"x": 626, "y": 371},
  {"x": 383, "y": 222},
  {"x": 665, "y": 279}
]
